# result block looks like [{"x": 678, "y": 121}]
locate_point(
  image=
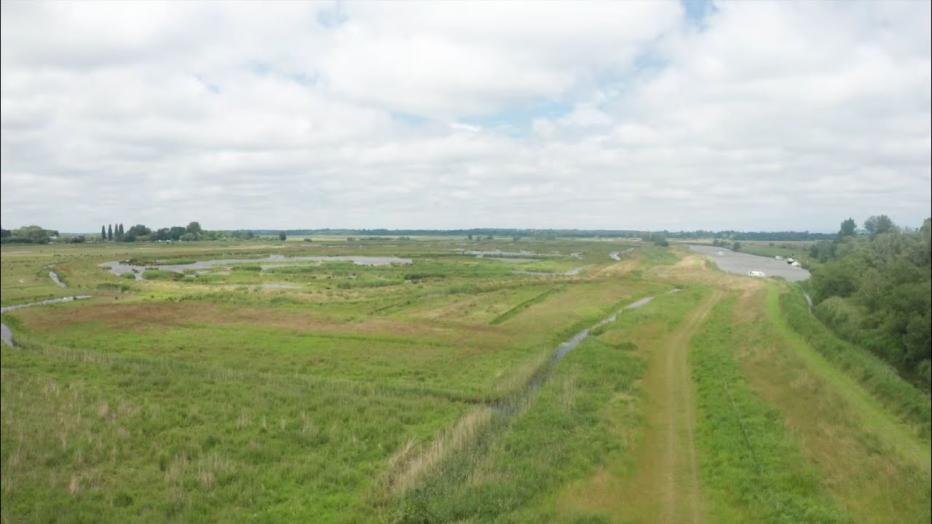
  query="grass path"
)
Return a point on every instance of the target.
[
  {"x": 666, "y": 486},
  {"x": 871, "y": 413}
]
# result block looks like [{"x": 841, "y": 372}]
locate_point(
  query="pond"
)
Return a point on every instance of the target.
[{"x": 121, "y": 268}]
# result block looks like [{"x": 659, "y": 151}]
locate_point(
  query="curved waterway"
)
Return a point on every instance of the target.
[
  {"x": 6, "y": 335},
  {"x": 272, "y": 261},
  {"x": 741, "y": 263}
]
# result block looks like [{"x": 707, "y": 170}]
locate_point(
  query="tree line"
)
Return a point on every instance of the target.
[
  {"x": 141, "y": 232},
  {"x": 562, "y": 233},
  {"x": 27, "y": 235},
  {"x": 872, "y": 286}
]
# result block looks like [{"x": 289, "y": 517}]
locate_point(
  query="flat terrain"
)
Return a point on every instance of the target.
[{"x": 217, "y": 383}]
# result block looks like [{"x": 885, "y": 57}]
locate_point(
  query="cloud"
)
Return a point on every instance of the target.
[{"x": 612, "y": 115}]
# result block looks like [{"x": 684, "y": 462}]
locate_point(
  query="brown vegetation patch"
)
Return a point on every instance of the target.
[{"x": 140, "y": 316}]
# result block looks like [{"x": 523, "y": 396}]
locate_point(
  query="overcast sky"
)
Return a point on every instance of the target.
[{"x": 747, "y": 115}]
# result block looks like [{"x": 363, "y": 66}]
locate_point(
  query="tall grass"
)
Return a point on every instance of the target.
[
  {"x": 878, "y": 377},
  {"x": 753, "y": 471}
]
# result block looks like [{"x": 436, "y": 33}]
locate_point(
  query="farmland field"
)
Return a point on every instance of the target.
[{"x": 424, "y": 388}]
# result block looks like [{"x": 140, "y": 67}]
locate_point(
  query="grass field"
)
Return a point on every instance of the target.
[{"x": 325, "y": 391}]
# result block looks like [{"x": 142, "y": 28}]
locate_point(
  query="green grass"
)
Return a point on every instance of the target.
[
  {"x": 752, "y": 468},
  {"x": 111, "y": 439},
  {"x": 201, "y": 398},
  {"x": 211, "y": 398},
  {"x": 876, "y": 376},
  {"x": 841, "y": 433},
  {"x": 586, "y": 416},
  {"x": 560, "y": 438}
]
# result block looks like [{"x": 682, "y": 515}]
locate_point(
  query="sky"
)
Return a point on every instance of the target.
[{"x": 616, "y": 115}]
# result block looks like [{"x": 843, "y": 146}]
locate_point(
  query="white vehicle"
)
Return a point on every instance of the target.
[
  {"x": 756, "y": 274},
  {"x": 778, "y": 257},
  {"x": 794, "y": 264}
]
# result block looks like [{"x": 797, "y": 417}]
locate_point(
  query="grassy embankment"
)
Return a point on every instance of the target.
[{"x": 752, "y": 468}]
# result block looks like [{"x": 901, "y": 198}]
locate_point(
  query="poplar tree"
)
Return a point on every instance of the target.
[
  {"x": 103, "y": 233},
  {"x": 109, "y": 231}
]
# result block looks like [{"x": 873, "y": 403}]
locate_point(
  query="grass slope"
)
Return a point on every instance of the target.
[{"x": 752, "y": 469}]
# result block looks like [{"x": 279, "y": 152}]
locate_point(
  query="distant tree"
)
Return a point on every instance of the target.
[
  {"x": 282, "y": 236},
  {"x": 194, "y": 228},
  {"x": 243, "y": 234},
  {"x": 109, "y": 231},
  {"x": 848, "y": 228},
  {"x": 32, "y": 234},
  {"x": 5, "y": 233},
  {"x": 736, "y": 246},
  {"x": 118, "y": 232},
  {"x": 878, "y": 225},
  {"x": 469, "y": 237},
  {"x": 176, "y": 232},
  {"x": 103, "y": 233},
  {"x": 78, "y": 239},
  {"x": 187, "y": 237},
  {"x": 823, "y": 250},
  {"x": 139, "y": 230}
]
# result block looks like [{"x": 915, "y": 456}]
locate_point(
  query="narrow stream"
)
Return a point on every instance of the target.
[
  {"x": 616, "y": 255},
  {"x": 571, "y": 273},
  {"x": 511, "y": 405},
  {"x": 6, "y": 335},
  {"x": 55, "y": 278}
]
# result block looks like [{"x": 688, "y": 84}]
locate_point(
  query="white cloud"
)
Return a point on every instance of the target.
[{"x": 770, "y": 115}]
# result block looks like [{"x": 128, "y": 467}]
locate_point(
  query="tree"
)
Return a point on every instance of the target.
[
  {"x": 118, "y": 232},
  {"x": 823, "y": 250},
  {"x": 32, "y": 234},
  {"x": 103, "y": 233},
  {"x": 736, "y": 246},
  {"x": 109, "y": 231},
  {"x": 176, "y": 232},
  {"x": 139, "y": 230},
  {"x": 848, "y": 228},
  {"x": 878, "y": 225},
  {"x": 194, "y": 228},
  {"x": 282, "y": 236}
]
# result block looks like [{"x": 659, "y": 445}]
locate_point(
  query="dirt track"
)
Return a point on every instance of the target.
[{"x": 666, "y": 485}]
